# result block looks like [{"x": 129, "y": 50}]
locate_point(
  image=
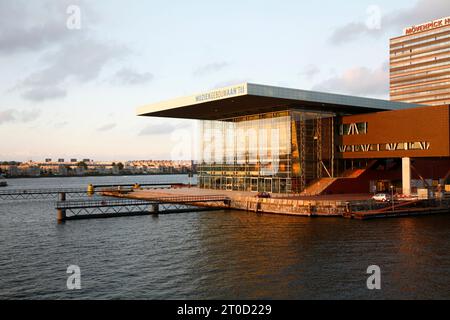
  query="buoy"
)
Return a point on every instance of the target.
[
  {"x": 90, "y": 189},
  {"x": 136, "y": 186}
]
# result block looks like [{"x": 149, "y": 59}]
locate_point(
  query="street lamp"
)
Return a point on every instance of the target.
[{"x": 392, "y": 197}]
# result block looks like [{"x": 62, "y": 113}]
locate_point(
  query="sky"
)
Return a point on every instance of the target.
[{"x": 73, "y": 72}]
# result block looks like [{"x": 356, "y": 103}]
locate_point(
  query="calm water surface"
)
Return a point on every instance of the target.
[{"x": 217, "y": 254}]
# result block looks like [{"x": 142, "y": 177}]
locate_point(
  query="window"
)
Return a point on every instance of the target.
[{"x": 348, "y": 129}]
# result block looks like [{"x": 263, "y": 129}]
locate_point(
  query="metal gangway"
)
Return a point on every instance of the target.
[
  {"x": 52, "y": 193},
  {"x": 107, "y": 208}
]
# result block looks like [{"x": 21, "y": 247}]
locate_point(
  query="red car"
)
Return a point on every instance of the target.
[{"x": 263, "y": 195}]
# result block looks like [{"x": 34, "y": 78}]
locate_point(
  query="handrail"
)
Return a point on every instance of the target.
[
  {"x": 75, "y": 190},
  {"x": 126, "y": 202},
  {"x": 41, "y": 191}
]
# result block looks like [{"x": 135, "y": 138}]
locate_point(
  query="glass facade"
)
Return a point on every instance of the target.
[{"x": 279, "y": 152}]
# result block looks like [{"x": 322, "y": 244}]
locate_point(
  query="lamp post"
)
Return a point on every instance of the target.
[{"x": 392, "y": 197}]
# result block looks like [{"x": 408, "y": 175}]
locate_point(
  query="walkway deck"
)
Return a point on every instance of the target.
[
  {"x": 106, "y": 208},
  {"x": 359, "y": 206}
]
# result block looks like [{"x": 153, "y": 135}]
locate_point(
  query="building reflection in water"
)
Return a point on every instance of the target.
[{"x": 248, "y": 256}]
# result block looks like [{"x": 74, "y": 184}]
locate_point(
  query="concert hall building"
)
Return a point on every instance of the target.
[{"x": 263, "y": 138}]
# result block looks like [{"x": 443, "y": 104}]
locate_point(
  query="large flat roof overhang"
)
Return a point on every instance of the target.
[{"x": 248, "y": 98}]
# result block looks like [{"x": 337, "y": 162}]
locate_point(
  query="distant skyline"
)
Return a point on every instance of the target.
[{"x": 73, "y": 93}]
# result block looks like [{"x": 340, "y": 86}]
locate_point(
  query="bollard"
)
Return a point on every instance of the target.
[
  {"x": 90, "y": 189},
  {"x": 257, "y": 206},
  {"x": 61, "y": 213},
  {"x": 155, "y": 209}
]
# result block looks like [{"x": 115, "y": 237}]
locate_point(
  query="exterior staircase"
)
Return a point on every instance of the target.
[
  {"x": 355, "y": 173},
  {"x": 321, "y": 185},
  {"x": 318, "y": 186}
]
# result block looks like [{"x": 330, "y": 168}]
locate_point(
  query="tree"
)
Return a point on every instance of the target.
[{"x": 82, "y": 164}]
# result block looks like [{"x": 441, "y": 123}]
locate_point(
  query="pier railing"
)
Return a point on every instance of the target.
[
  {"x": 24, "y": 194},
  {"x": 75, "y": 204},
  {"x": 187, "y": 199},
  {"x": 105, "y": 208},
  {"x": 52, "y": 193}
]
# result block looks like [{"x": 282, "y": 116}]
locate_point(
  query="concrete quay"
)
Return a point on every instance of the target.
[
  {"x": 324, "y": 206},
  {"x": 356, "y": 206}
]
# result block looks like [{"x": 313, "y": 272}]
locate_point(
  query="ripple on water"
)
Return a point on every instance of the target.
[{"x": 217, "y": 255}]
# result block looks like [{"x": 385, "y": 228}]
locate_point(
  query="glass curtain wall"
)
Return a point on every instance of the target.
[
  {"x": 313, "y": 135},
  {"x": 271, "y": 152}
]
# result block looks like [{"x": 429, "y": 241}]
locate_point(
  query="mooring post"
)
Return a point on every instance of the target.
[
  {"x": 61, "y": 213},
  {"x": 257, "y": 206},
  {"x": 155, "y": 209},
  {"x": 90, "y": 189}
]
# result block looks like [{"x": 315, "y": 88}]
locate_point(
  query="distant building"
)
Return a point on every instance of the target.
[
  {"x": 13, "y": 171},
  {"x": 48, "y": 160},
  {"x": 79, "y": 171},
  {"x": 33, "y": 171},
  {"x": 115, "y": 170},
  {"x": 73, "y": 160},
  {"x": 61, "y": 160},
  {"x": 62, "y": 170}
]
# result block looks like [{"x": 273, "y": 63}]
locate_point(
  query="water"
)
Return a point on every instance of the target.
[{"x": 217, "y": 254}]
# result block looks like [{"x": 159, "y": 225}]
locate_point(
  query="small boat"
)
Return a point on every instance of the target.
[{"x": 3, "y": 182}]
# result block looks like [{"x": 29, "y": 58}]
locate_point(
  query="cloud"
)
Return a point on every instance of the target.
[
  {"x": 61, "y": 124},
  {"x": 29, "y": 25},
  {"x": 12, "y": 115},
  {"x": 107, "y": 127},
  {"x": 360, "y": 81},
  {"x": 130, "y": 77},
  {"x": 422, "y": 11},
  {"x": 163, "y": 128},
  {"x": 74, "y": 62},
  {"x": 30, "y": 115},
  {"x": 210, "y": 68},
  {"x": 39, "y": 94},
  {"x": 156, "y": 129},
  {"x": 310, "y": 71},
  {"x": 352, "y": 31},
  {"x": 65, "y": 57},
  {"x": 7, "y": 116}
]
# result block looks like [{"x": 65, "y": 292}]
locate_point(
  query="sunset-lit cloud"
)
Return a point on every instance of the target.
[{"x": 359, "y": 81}]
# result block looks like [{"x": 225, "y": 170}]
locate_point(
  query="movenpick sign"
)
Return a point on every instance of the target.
[{"x": 427, "y": 26}]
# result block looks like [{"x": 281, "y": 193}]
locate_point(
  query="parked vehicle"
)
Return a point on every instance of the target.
[
  {"x": 383, "y": 197},
  {"x": 263, "y": 195}
]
